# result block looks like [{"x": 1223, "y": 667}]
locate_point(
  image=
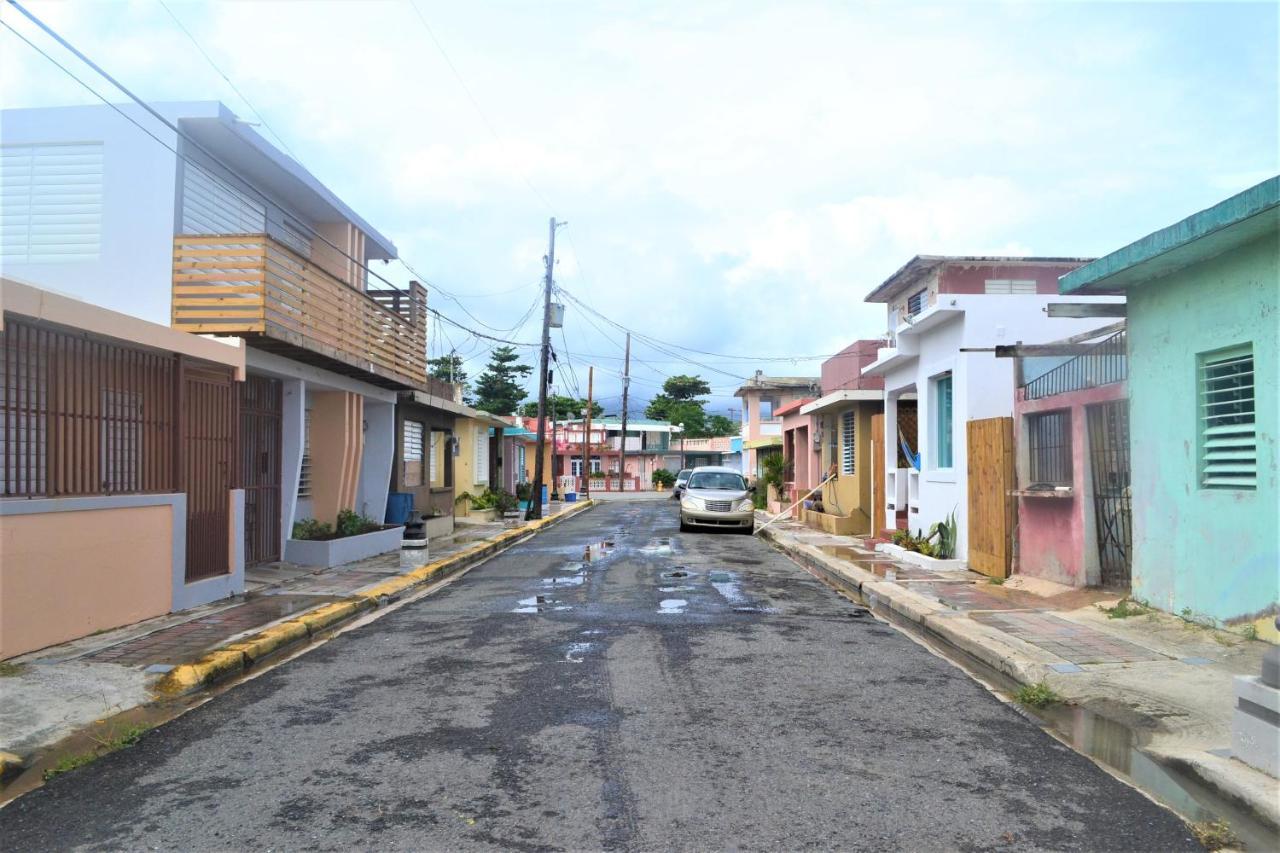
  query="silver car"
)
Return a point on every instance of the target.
[
  {"x": 681, "y": 479},
  {"x": 717, "y": 497}
]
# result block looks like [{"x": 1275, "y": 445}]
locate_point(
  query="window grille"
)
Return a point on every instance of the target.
[
  {"x": 846, "y": 442},
  {"x": 1228, "y": 432},
  {"x": 1049, "y": 442},
  {"x": 412, "y": 441}
]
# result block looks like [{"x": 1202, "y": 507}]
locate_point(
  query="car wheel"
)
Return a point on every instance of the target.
[
  {"x": 748, "y": 530},
  {"x": 684, "y": 528}
]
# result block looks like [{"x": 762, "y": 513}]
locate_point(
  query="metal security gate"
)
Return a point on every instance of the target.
[
  {"x": 1109, "y": 463},
  {"x": 208, "y": 421},
  {"x": 260, "y": 468}
]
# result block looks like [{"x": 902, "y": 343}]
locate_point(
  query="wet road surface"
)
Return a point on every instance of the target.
[{"x": 677, "y": 691}]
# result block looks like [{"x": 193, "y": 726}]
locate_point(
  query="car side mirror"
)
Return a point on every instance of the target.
[{"x": 751, "y": 489}]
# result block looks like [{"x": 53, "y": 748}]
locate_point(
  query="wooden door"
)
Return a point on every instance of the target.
[
  {"x": 878, "y": 500},
  {"x": 990, "y": 448}
]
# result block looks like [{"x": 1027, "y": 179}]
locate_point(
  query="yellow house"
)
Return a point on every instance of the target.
[{"x": 475, "y": 457}]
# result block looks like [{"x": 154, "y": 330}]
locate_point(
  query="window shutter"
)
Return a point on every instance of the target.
[
  {"x": 847, "y": 420},
  {"x": 412, "y": 453},
  {"x": 304, "y": 478},
  {"x": 51, "y": 196},
  {"x": 211, "y": 205},
  {"x": 432, "y": 464},
  {"x": 482, "y": 455},
  {"x": 1228, "y": 436}
]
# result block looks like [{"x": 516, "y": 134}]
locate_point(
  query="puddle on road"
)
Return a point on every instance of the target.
[
  {"x": 726, "y": 583},
  {"x": 679, "y": 588},
  {"x": 571, "y": 580},
  {"x": 678, "y": 573},
  {"x": 672, "y": 606},
  {"x": 846, "y": 552},
  {"x": 576, "y": 651},
  {"x": 597, "y": 550},
  {"x": 539, "y": 604},
  {"x": 661, "y": 545}
]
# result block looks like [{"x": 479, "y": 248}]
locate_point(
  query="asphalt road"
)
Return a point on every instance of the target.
[{"x": 743, "y": 706}]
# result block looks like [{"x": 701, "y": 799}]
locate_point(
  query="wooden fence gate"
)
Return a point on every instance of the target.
[
  {"x": 208, "y": 418},
  {"x": 260, "y": 468},
  {"x": 990, "y": 448},
  {"x": 877, "y": 475}
]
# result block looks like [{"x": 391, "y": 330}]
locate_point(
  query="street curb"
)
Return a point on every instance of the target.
[
  {"x": 1022, "y": 662},
  {"x": 230, "y": 659}
]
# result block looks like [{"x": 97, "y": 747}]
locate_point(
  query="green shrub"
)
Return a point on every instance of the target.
[
  {"x": 1038, "y": 695},
  {"x": 663, "y": 477},
  {"x": 309, "y": 528},
  {"x": 352, "y": 523},
  {"x": 498, "y": 499}
]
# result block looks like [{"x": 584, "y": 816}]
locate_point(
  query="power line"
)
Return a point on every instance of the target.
[{"x": 223, "y": 75}]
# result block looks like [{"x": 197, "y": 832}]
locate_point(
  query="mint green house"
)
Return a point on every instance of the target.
[{"x": 1204, "y": 385}]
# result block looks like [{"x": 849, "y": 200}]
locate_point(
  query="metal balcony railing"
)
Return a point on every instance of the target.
[{"x": 1105, "y": 363}]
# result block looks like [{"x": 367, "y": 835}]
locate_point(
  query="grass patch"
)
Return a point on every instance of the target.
[
  {"x": 126, "y": 738},
  {"x": 1123, "y": 609},
  {"x": 1215, "y": 835},
  {"x": 1224, "y": 639},
  {"x": 996, "y": 581},
  {"x": 1249, "y": 632},
  {"x": 8, "y": 670},
  {"x": 1038, "y": 695}
]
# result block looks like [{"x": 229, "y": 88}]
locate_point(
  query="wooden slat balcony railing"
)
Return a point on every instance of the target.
[{"x": 253, "y": 286}]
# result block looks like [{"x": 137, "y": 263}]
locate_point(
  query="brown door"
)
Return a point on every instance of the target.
[
  {"x": 877, "y": 474},
  {"x": 990, "y": 447},
  {"x": 208, "y": 413},
  {"x": 260, "y": 468}
]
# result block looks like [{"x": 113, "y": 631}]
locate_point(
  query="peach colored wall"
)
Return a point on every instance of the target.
[
  {"x": 114, "y": 569},
  {"x": 337, "y": 441}
]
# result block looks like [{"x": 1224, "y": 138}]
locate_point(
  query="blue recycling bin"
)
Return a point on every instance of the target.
[{"x": 399, "y": 507}]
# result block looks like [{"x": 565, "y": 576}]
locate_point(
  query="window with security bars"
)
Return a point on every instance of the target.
[
  {"x": 1228, "y": 432},
  {"x": 917, "y": 302},
  {"x": 846, "y": 442},
  {"x": 412, "y": 453},
  {"x": 1049, "y": 448}
]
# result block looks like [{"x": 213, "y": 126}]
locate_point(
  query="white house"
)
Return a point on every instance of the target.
[
  {"x": 215, "y": 231},
  {"x": 939, "y": 307}
]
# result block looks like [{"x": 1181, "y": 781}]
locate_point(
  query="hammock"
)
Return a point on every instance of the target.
[{"x": 913, "y": 458}]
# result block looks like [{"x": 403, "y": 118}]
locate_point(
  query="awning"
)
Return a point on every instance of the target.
[
  {"x": 767, "y": 441},
  {"x": 839, "y": 398}
]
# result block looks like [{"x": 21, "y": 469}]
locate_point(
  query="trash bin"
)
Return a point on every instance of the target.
[{"x": 399, "y": 507}]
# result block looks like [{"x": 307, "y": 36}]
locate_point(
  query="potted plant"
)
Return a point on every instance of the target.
[{"x": 351, "y": 537}]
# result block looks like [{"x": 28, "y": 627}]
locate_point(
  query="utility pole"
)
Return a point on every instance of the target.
[
  {"x": 626, "y": 385},
  {"x": 535, "y": 500},
  {"x": 586, "y": 437}
]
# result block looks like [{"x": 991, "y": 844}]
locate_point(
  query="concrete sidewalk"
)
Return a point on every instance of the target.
[
  {"x": 1167, "y": 680},
  {"x": 51, "y": 693}
]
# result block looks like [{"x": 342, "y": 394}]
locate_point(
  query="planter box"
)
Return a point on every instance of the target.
[
  {"x": 478, "y": 516},
  {"x": 918, "y": 559},
  {"x": 334, "y": 552},
  {"x": 434, "y": 528}
]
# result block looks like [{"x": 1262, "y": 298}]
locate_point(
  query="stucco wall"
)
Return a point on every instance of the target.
[
  {"x": 1057, "y": 539},
  {"x": 67, "y": 574},
  {"x": 1215, "y": 551}
]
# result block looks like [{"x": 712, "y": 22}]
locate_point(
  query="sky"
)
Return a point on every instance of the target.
[{"x": 736, "y": 176}]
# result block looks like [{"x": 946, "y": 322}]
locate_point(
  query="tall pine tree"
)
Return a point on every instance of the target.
[{"x": 498, "y": 389}]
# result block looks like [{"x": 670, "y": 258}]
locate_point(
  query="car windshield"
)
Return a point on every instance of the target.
[
  {"x": 718, "y": 480},
  {"x": 684, "y": 475}
]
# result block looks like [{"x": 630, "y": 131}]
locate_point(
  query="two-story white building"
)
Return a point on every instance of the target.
[
  {"x": 945, "y": 316},
  {"x": 215, "y": 231}
]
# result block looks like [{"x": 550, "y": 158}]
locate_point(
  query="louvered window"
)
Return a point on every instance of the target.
[
  {"x": 917, "y": 302},
  {"x": 412, "y": 454},
  {"x": 304, "y": 478},
  {"x": 997, "y": 286},
  {"x": 846, "y": 442},
  {"x": 432, "y": 464},
  {"x": 482, "y": 455},
  {"x": 1228, "y": 436},
  {"x": 50, "y": 203},
  {"x": 211, "y": 205}
]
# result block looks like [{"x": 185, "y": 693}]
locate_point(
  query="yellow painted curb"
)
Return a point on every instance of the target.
[
  {"x": 232, "y": 658},
  {"x": 215, "y": 665},
  {"x": 323, "y": 617},
  {"x": 265, "y": 642}
]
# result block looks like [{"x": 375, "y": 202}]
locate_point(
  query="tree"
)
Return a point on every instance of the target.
[
  {"x": 562, "y": 408},
  {"x": 720, "y": 425},
  {"x": 498, "y": 389},
  {"x": 678, "y": 404},
  {"x": 448, "y": 368}
]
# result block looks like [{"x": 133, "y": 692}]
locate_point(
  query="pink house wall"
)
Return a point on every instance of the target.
[
  {"x": 958, "y": 277},
  {"x": 843, "y": 371},
  {"x": 1056, "y": 538}
]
